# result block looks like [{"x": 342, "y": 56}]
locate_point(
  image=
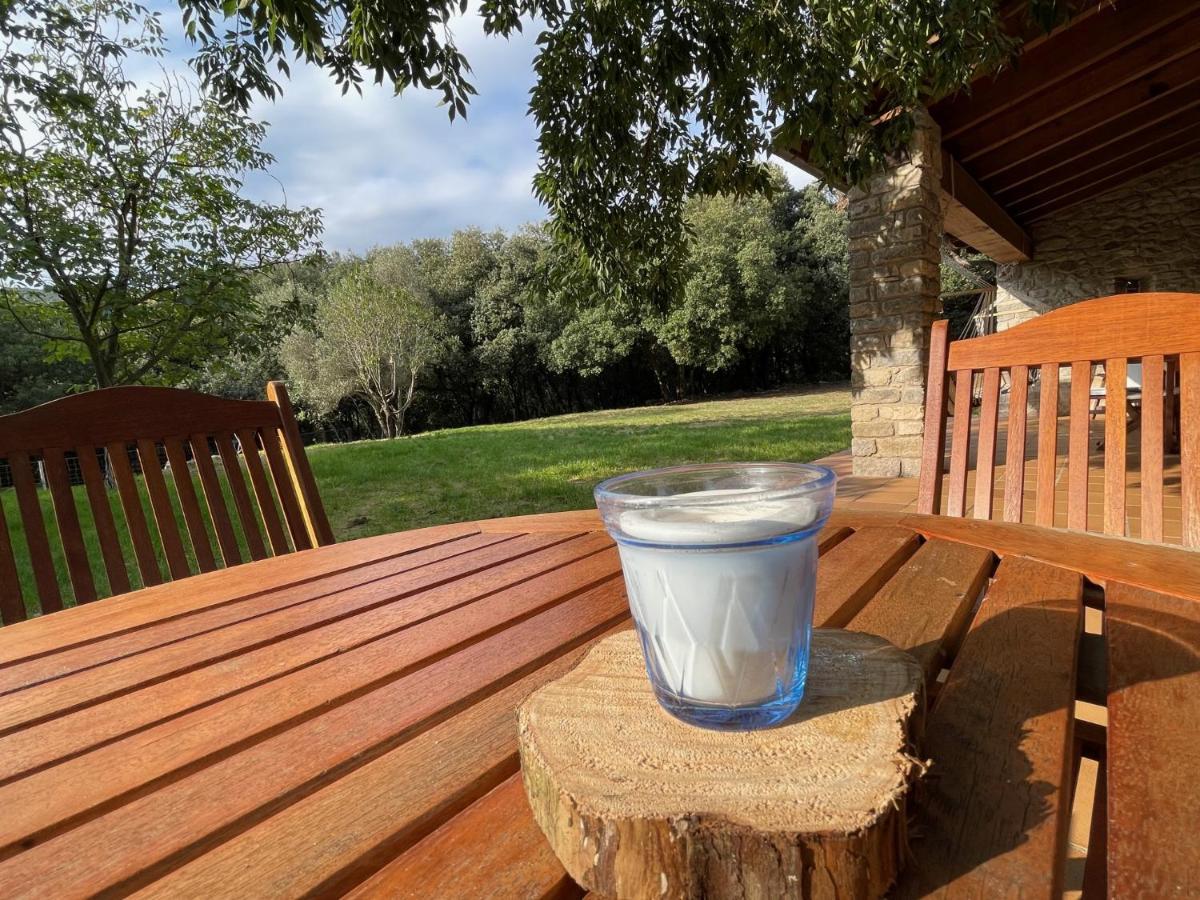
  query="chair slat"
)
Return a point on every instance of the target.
[
  {"x": 35, "y": 531},
  {"x": 960, "y": 444},
  {"x": 1115, "y": 373},
  {"x": 164, "y": 513},
  {"x": 1077, "y": 445},
  {"x": 985, "y": 463},
  {"x": 185, "y": 490},
  {"x": 12, "y": 600},
  {"x": 106, "y": 529},
  {"x": 1152, "y": 448},
  {"x": 218, "y": 512},
  {"x": 1155, "y": 333},
  {"x": 262, "y": 491},
  {"x": 69, "y": 532},
  {"x": 1171, "y": 406},
  {"x": 1014, "y": 457},
  {"x": 933, "y": 446},
  {"x": 135, "y": 516},
  {"x": 285, "y": 489},
  {"x": 1189, "y": 445},
  {"x": 241, "y": 497},
  {"x": 1047, "y": 466},
  {"x": 297, "y": 460}
]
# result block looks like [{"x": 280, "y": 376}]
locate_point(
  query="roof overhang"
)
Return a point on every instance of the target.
[{"x": 1112, "y": 94}]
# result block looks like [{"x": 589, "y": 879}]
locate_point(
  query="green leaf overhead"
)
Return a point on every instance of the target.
[{"x": 642, "y": 104}]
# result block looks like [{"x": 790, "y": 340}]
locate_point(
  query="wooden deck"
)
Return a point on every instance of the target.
[{"x": 857, "y": 492}]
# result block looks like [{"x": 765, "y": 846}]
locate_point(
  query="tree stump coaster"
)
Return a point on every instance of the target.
[{"x": 637, "y": 804}]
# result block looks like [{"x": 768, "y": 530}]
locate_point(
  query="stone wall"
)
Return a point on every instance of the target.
[
  {"x": 895, "y": 232},
  {"x": 1147, "y": 229}
]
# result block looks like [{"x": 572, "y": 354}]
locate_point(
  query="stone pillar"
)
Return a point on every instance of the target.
[{"x": 895, "y": 232}]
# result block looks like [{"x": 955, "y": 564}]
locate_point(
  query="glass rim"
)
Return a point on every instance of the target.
[{"x": 823, "y": 478}]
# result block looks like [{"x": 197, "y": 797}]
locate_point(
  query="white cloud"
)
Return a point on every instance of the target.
[{"x": 385, "y": 168}]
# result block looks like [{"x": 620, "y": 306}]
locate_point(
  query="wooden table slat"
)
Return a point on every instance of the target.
[
  {"x": 514, "y": 861},
  {"x": 450, "y": 721},
  {"x": 926, "y": 606},
  {"x": 125, "y": 676},
  {"x": 335, "y": 649},
  {"x": 852, "y": 571},
  {"x": 1153, "y": 753},
  {"x": 26, "y": 673},
  {"x": 81, "y": 624},
  {"x": 171, "y": 746},
  {"x": 999, "y": 739}
]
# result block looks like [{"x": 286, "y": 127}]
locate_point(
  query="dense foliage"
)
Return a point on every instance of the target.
[
  {"x": 481, "y": 329},
  {"x": 125, "y": 242},
  {"x": 641, "y": 105}
]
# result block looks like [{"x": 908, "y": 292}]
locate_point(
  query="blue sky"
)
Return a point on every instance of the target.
[{"x": 386, "y": 169}]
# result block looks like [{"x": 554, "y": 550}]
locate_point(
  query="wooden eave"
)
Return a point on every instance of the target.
[{"x": 1109, "y": 96}]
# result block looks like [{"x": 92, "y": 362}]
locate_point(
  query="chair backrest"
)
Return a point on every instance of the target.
[
  {"x": 82, "y": 447},
  {"x": 1158, "y": 331}
]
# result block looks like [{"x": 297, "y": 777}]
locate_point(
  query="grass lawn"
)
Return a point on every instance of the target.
[{"x": 544, "y": 465}]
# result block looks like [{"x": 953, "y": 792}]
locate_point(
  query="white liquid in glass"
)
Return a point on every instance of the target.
[{"x": 722, "y": 623}]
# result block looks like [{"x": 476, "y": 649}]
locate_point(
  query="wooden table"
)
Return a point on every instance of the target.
[{"x": 341, "y": 721}]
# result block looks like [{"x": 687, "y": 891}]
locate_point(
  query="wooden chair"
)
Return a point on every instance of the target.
[
  {"x": 1159, "y": 331},
  {"x": 100, "y": 438}
]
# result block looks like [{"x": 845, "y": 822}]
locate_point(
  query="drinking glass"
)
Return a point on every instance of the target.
[{"x": 720, "y": 565}]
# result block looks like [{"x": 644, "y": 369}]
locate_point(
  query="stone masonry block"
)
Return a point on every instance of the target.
[
  {"x": 876, "y": 428},
  {"x": 908, "y": 446},
  {"x": 912, "y": 412},
  {"x": 877, "y": 395},
  {"x": 876, "y": 467},
  {"x": 862, "y": 447}
]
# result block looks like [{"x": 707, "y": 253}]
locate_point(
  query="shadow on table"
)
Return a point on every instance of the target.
[{"x": 999, "y": 740}]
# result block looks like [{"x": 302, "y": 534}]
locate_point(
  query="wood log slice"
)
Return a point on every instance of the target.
[{"x": 637, "y": 804}]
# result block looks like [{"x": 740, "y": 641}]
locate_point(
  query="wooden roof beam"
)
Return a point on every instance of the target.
[
  {"x": 971, "y": 214},
  {"x": 1103, "y": 84},
  {"x": 798, "y": 157},
  {"x": 1117, "y": 154},
  {"x": 1131, "y": 169},
  {"x": 1066, "y": 127},
  {"x": 1098, "y": 32},
  {"x": 974, "y": 217},
  {"x": 1147, "y": 122}
]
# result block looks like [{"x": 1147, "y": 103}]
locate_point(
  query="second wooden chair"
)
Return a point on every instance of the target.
[
  {"x": 1159, "y": 332},
  {"x": 101, "y": 438}
]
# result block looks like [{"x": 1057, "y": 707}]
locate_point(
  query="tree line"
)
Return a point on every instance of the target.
[{"x": 490, "y": 327}]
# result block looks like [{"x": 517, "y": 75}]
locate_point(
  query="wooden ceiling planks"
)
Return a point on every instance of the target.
[{"x": 1112, "y": 95}]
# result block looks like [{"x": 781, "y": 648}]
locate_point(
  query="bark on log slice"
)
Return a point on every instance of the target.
[{"x": 636, "y": 804}]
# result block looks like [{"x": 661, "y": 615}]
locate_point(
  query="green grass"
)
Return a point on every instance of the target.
[{"x": 545, "y": 465}]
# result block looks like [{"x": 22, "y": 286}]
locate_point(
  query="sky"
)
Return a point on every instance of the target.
[{"x": 387, "y": 169}]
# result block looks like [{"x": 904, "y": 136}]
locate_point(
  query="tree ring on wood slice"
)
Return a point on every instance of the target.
[{"x": 637, "y": 804}]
